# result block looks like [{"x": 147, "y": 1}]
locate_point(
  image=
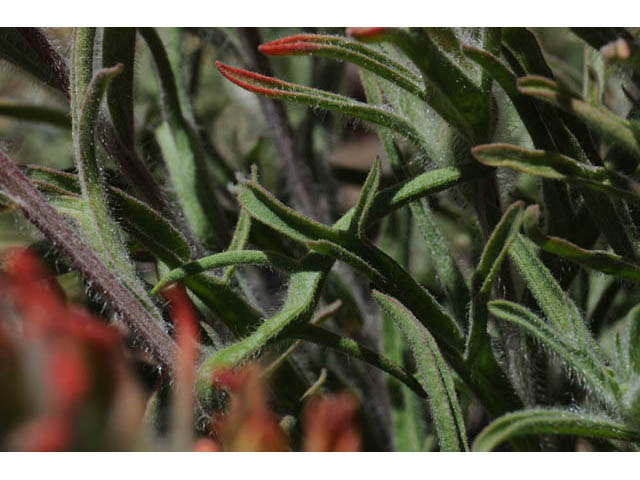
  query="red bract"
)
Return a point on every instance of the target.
[
  {"x": 68, "y": 376},
  {"x": 41, "y": 303},
  {"x": 65, "y": 353},
  {"x": 330, "y": 424},
  {"x": 250, "y": 426},
  {"x": 254, "y": 82},
  {"x": 296, "y": 44},
  {"x": 50, "y": 433},
  {"x": 187, "y": 336},
  {"x": 205, "y": 445},
  {"x": 184, "y": 317},
  {"x": 367, "y": 33}
]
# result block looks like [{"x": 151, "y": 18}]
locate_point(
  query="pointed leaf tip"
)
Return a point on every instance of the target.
[
  {"x": 295, "y": 44},
  {"x": 251, "y": 81},
  {"x": 367, "y": 33}
]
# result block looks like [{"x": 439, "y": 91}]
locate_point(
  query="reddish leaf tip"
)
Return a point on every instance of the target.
[
  {"x": 366, "y": 33},
  {"x": 293, "y": 45},
  {"x": 251, "y": 81}
]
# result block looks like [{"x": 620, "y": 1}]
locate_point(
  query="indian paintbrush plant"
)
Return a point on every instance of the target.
[{"x": 477, "y": 293}]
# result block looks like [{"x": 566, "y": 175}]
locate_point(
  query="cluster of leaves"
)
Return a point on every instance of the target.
[{"x": 534, "y": 326}]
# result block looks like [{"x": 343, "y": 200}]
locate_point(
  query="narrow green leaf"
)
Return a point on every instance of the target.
[
  {"x": 558, "y": 167},
  {"x": 184, "y": 153},
  {"x": 605, "y": 122},
  {"x": 81, "y": 67},
  {"x": 497, "y": 246},
  {"x": 35, "y": 113},
  {"x": 326, "y": 338},
  {"x": 103, "y": 232},
  {"x": 493, "y": 254},
  {"x": 433, "y": 374},
  {"x": 633, "y": 339},
  {"x": 550, "y": 422},
  {"x": 302, "y": 297},
  {"x": 232, "y": 257},
  {"x": 579, "y": 353},
  {"x": 239, "y": 239},
  {"x": 365, "y": 201},
  {"x": 343, "y": 48},
  {"x": 427, "y": 183},
  {"x": 142, "y": 222},
  {"x": 278, "y": 89},
  {"x": 436, "y": 97},
  {"x": 407, "y": 417},
  {"x": 264, "y": 207},
  {"x": 119, "y": 47},
  {"x": 599, "y": 260},
  {"x": 524, "y": 105},
  {"x": 552, "y": 299}
]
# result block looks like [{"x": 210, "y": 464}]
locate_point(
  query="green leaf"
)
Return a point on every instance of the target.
[
  {"x": 232, "y": 257},
  {"x": 278, "y": 89},
  {"x": 302, "y": 297},
  {"x": 104, "y": 234},
  {"x": 433, "y": 374},
  {"x": 365, "y": 201},
  {"x": 578, "y": 351},
  {"x": 407, "y": 418},
  {"x": 558, "y": 167},
  {"x": 605, "y": 122},
  {"x": 239, "y": 239},
  {"x": 550, "y": 422},
  {"x": 450, "y": 91},
  {"x": 143, "y": 223},
  {"x": 493, "y": 254},
  {"x": 599, "y": 260},
  {"x": 552, "y": 299},
  {"x": 184, "y": 153},
  {"x": 35, "y": 113},
  {"x": 427, "y": 183},
  {"x": 342, "y": 48},
  {"x": 119, "y": 47},
  {"x": 524, "y": 105},
  {"x": 81, "y": 68},
  {"x": 633, "y": 339},
  {"x": 326, "y": 338}
]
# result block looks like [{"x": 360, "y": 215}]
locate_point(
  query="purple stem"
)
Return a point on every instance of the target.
[{"x": 36, "y": 209}]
